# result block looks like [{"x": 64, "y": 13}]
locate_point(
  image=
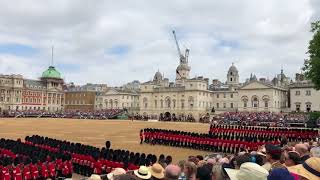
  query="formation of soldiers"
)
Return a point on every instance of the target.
[
  {"x": 26, "y": 161},
  {"x": 226, "y": 138},
  {"x": 87, "y": 160}
]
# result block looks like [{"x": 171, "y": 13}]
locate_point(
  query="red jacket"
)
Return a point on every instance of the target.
[{"x": 16, "y": 173}]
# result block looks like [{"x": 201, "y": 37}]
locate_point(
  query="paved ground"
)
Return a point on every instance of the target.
[{"x": 122, "y": 133}]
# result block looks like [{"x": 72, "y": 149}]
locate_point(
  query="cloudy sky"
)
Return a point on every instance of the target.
[{"x": 115, "y": 42}]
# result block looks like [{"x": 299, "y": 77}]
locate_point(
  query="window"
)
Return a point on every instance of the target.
[
  {"x": 224, "y": 95},
  {"x": 182, "y": 104},
  {"x": 308, "y": 107},
  {"x": 224, "y": 105},
  {"x": 231, "y": 105},
  {"x": 217, "y": 95},
  {"x": 155, "y": 104},
  {"x": 231, "y": 79},
  {"x": 266, "y": 104},
  {"x": 217, "y": 105},
  {"x": 191, "y": 85},
  {"x": 231, "y": 95},
  {"x": 245, "y": 104},
  {"x": 297, "y": 93},
  {"x": 308, "y": 93},
  {"x": 297, "y": 107}
]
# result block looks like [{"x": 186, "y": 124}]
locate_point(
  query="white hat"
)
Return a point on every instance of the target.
[
  {"x": 143, "y": 172},
  {"x": 94, "y": 177},
  {"x": 115, "y": 172},
  {"x": 248, "y": 171}
]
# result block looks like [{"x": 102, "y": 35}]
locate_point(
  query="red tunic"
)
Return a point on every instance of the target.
[
  {"x": 26, "y": 173},
  {"x": 17, "y": 173}
]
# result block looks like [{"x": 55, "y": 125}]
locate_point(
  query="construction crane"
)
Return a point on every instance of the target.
[{"x": 183, "y": 58}]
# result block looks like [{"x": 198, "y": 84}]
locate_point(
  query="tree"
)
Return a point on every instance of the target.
[{"x": 312, "y": 65}]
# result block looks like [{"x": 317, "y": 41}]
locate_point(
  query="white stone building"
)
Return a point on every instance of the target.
[{"x": 303, "y": 96}]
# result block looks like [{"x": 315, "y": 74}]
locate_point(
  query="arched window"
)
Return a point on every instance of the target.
[
  {"x": 244, "y": 99},
  {"x": 255, "y": 101}
]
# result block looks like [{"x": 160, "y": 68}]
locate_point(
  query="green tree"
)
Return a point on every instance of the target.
[{"x": 312, "y": 65}]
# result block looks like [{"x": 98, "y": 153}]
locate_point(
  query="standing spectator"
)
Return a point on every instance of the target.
[
  {"x": 172, "y": 172},
  {"x": 302, "y": 149},
  {"x": 292, "y": 158},
  {"x": 190, "y": 170}
]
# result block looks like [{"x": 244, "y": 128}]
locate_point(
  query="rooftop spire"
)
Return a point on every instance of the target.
[{"x": 51, "y": 56}]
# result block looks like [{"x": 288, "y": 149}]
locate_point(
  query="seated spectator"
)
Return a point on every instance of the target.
[
  {"x": 172, "y": 172},
  {"x": 143, "y": 173},
  {"x": 248, "y": 171}
]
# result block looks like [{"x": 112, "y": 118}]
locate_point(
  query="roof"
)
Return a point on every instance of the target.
[
  {"x": 29, "y": 83},
  {"x": 51, "y": 72}
]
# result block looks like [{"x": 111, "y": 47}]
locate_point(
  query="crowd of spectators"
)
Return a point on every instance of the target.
[
  {"x": 298, "y": 161},
  {"x": 97, "y": 114},
  {"x": 262, "y": 119}
]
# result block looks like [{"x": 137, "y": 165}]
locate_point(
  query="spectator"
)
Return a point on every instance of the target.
[
  {"x": 94, "y": 177},
  {"x": 217, "y": 172},
  {"x": 309, "y": 170},
  {"x": 203, "y": 173},
  {"x": 248, "y": 171},
  {"x": 115, "y": 172},
  {"x": 143, "y": 173},
  {"x": 280, "y": 174},
  {"x": 292, "y": 158},
  {"x": 190, "y": 170},
  {"x": 302, "y": 149},
  {"x": 315, "y": 152},
  {"x": 273, "y": 157},
  {"x": 172, "y": 172},
  {"x": 157, "y": 171}
]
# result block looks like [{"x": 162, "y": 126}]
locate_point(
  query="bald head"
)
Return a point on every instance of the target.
[
  {"x": 172, "y": 172},
  {"x": 302, "y": 149}
]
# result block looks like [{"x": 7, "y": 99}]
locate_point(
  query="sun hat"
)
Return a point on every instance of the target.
[
  {"x": 94, "y": 177},
  {"x": 143, "y": 173},
  {"x": 310, "y": 169},
  {"x": 157, "y": 171},
  {"x": 248, "y": 171},
  {"x": 115, "y": 172}
]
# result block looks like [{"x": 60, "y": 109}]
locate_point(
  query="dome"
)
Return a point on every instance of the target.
[
  {"x": 51, "y": 72},
  {"x": 157, "y": 76},
  {"x": 233, "y": 69},
  {"x": 183, "y": 67}
]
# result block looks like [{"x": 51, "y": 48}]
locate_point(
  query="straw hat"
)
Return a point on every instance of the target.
[
  {"x": 248, "y": 171},
  {"x": 143, "y": 172},
  {"x": 115, "y": 172},
  {"x": 94, "y": 177},
  {"x": 157, "y": 171},
  {"x": 310, "y": 169}
]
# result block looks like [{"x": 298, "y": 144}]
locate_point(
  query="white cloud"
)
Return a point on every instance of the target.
[{"x": 267, "y": 35}]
